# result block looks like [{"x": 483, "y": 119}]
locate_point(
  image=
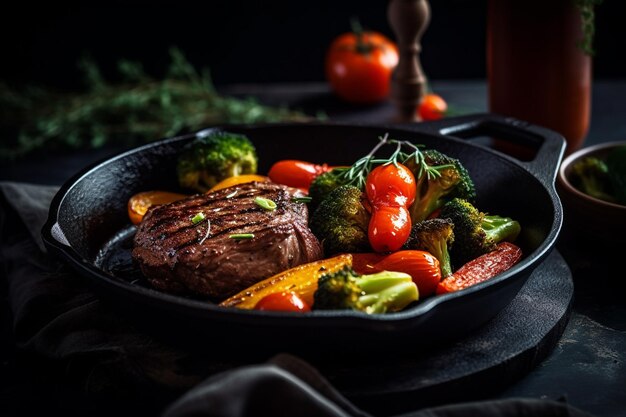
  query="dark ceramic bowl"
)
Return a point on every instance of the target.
[{"x": 584, "y": 215}]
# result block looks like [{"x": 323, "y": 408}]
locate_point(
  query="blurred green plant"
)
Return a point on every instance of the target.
[
  {"x": 139, "y": 109},
  {"x": 587, "y": 15}
]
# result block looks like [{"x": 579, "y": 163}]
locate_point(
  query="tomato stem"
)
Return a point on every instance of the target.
[{"x": 362, "y": 47}]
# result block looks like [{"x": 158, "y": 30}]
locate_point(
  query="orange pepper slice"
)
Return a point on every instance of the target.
[
  {"x": 236, "y": 180},
  {"x": 301, "y": 280},
  {"x": 139, "y": 204}
]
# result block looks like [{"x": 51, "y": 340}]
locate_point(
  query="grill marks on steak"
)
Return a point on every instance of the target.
[{"x": 169, "y": 251}]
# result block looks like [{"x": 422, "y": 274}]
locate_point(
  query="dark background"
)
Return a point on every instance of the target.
[{"x": 248, "y": 41}]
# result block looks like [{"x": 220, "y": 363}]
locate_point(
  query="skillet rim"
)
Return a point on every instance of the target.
[{"x": 338, "y": 318}]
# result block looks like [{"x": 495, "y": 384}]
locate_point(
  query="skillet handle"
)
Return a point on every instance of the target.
[{"x": 549, "y": 146}]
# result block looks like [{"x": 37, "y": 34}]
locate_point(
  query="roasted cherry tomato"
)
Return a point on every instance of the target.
[
  {"x": 139, "y": 204},
  {"x": 389, "y": 228},
  {"x": 238, "y": 179},
  {"x": 359, "y": 66},
  {"x": 391, "y": 184},
  {"x": 297, "y": 174},
  {"x": 390, "y": 190},
  {"x": 432, "y": 107},
  {"x": 282, "y": 301},
  {"x": 422, "y": 266}
]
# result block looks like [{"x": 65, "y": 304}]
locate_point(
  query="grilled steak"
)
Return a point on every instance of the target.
[{"x": 179, "y": 256}]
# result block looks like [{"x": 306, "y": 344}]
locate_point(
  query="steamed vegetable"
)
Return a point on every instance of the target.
[
  {"x": 478, "y": 270},
  {"x": 210, "y": 159},
  {"x": 341, "y": 221},
  {"x": 475, "y": 232},
  {"x": 301, "y": 280},
  {"x": 381, "y": 292}
]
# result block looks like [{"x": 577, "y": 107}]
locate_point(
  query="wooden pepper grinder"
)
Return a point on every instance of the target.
[{"x": 408, "y": 19}]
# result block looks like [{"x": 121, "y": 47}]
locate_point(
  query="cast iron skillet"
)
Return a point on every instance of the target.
[{"x": 89, "y": 228}]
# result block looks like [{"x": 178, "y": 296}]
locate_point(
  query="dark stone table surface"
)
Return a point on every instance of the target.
[{"x": 588, "y": 365}]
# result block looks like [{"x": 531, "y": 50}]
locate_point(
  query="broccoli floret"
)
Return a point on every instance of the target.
[
  {"x": 212, "y": 158},
  {"x": 591, "y": 176},
  {"x": 499, "y": 228},
  {"x": 616, "y": 164},
  {"x": 323, "y": 184},
  {"x": 375, "y": 293},
  {"x": 433, "y": 191},
  {"x": 435, "y": 236},
  {"x": 475, "y": 232},
  {"x": 341, "y": 221}
]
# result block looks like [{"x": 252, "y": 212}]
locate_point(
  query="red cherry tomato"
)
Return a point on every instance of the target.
[
  {"x": 389, "y": 228},
  {"x": 297, "y": 174},
  {"x": 390, "y": 190},
  {"x": 432, "y": 107},
  {"x": 422, "y": 266},
  {"x": 359, "y": 66},
  {"x": 282, "y": 301},
  {"x": 391, "y": 184}
]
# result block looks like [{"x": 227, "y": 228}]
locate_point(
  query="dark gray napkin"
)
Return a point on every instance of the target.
[
  {"x": 97, "y": 363},
  {"x": 93, "y": 353},
  {"x": 100, "y": 362}
]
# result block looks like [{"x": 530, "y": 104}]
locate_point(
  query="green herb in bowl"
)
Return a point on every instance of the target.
[{"x": 602, "y": 178}]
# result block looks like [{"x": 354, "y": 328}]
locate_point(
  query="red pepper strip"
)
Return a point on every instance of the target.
[{"x": 482, "y": 268}]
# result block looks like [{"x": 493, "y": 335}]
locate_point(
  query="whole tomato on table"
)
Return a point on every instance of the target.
[
  {"x": 359, "y": 66},
  {"x": 432, "y": 107}
]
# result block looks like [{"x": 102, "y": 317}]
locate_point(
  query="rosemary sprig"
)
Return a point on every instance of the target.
[
  {"x": 138, "y": 109},
  {"x": 357, "y": 174},
  {"x": 587, "y": 15},
  {"x": 424, "y": 168}
]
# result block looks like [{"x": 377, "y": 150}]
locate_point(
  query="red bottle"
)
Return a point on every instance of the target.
[{"x": 536, "y": 69}]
